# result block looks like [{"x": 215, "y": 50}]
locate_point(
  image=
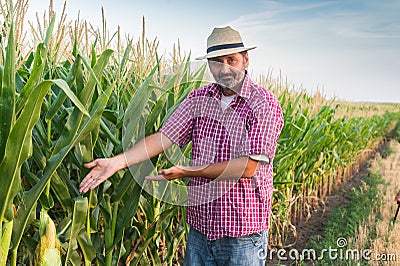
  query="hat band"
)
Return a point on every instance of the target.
[{"x": 224, "y": 46}]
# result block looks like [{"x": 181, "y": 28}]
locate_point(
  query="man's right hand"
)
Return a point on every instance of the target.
[{"x": 102, "y": 169}]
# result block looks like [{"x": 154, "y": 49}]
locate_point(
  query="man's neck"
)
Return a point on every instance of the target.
[{"x": 228, "y": 92}]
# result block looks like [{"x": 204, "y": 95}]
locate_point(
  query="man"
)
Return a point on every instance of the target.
[{"x": 234, "y": 125}]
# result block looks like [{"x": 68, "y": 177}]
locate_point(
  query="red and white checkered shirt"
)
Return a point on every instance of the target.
[{"x": 249, "y": 126}]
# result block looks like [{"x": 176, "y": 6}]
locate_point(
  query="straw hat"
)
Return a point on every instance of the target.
[{"x": 224, "y": 41}]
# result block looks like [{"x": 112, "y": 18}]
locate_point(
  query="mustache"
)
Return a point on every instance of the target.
[{"x": 226, "y": 76}]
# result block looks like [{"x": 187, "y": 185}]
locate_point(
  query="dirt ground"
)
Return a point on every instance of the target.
[
  {"x": 378, "y": 233},
  {"x": 316, "y": 224}
]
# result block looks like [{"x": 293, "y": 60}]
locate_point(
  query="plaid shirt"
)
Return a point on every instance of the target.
[{"x": 249, "y": 126}]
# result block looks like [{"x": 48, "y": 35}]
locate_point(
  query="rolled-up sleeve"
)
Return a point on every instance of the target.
[{"x": 263, "y": 132}]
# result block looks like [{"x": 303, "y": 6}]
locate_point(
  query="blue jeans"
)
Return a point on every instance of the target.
[{"x": 243, "y": 250}]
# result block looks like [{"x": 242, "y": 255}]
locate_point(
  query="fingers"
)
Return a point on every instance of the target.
[
  {"x": 89, "y": 183},
  {"x": 156, "y": 178},
  {"x": 163, "y": 172},
  {"x": 85, "y": 184},
  {"x": 94, "y": 183},
  {"x": 91, "y": 180},
  {"x": 101, "y": 170},
  {"x": 169, "y": 171},
  {"x": 91, "y": 164},
  {"x": 163, "y": 175}
]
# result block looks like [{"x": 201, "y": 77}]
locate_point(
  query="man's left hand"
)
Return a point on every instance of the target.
[{"x": 169, "y": 174}]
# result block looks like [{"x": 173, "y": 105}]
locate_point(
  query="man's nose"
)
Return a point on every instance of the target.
[{"x": 225, "y": 68}]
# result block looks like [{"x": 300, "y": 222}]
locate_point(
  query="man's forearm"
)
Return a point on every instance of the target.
[
  {"x": 242, "y": 167},
  {"x": 103, "y": 168},
  {"x": 235, "y": 168},
  {"x": 145, "y": 149}
]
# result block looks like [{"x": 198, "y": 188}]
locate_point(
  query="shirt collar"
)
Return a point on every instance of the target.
[{"x": 245, "y": 92}]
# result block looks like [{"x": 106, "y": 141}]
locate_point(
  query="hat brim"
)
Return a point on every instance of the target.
[{"x": 225, "y": 52}]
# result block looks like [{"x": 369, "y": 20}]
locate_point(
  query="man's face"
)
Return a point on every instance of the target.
[{"x": 229, "y": 70}]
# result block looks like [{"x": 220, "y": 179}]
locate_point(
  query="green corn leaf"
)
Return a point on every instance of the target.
[
  {"x": 49, "y": 31},
  {"x": 128, "y": 211},
  {"x": 64, "y": 86},
  {"x": 89, "y": 253},
  {"x": 175, "y": 239},
  {"x": 156, "y": 111},
  {"x": 110, "y": 136},
  {"x": 57, "y": 184},
  {"x": 92, "y": 122},
  {"x": 1, "y": 73},
  {"x": 61, "y": 192},
  {"x": 173, "y": 105},
  {"x": 125, "y": 184},
  {"x": 146, "y": 205},
  {"x": 91, "y": 71},
  {"x": 7, "y": 93},
  {"x": 151, "y": 232},
  {"x": 56, "y": 105},
  {"x": 19, "y": 149},
  {"x": 34, "y": 77},
  {"x": 85, "y": 96},
  {"x": 39, "y": 64},
  {"x": 160, "y": 104},
  {"x": 154, "y": 256},
  {"x": 131, "y": 196},
  {"x": 135, "y": 110},
  {"x": 126, "y": 55},
  {"x": 5, "y": 241},
  {"x": 78, "y": 222}
]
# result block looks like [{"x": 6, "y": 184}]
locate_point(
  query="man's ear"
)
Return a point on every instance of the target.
[{"x": 245, "y": 59}]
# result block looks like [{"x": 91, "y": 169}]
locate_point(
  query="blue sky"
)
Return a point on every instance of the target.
[{"x": 348, "y": 49}]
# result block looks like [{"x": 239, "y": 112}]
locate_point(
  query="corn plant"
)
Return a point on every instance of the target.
[
  {"x": 102, "y": 225},
  {"x": 19, "y": 115},
  {"x": 311, "y": 150}
]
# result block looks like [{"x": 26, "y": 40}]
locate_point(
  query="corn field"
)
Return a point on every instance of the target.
[{"x": 70, "y": 94}]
